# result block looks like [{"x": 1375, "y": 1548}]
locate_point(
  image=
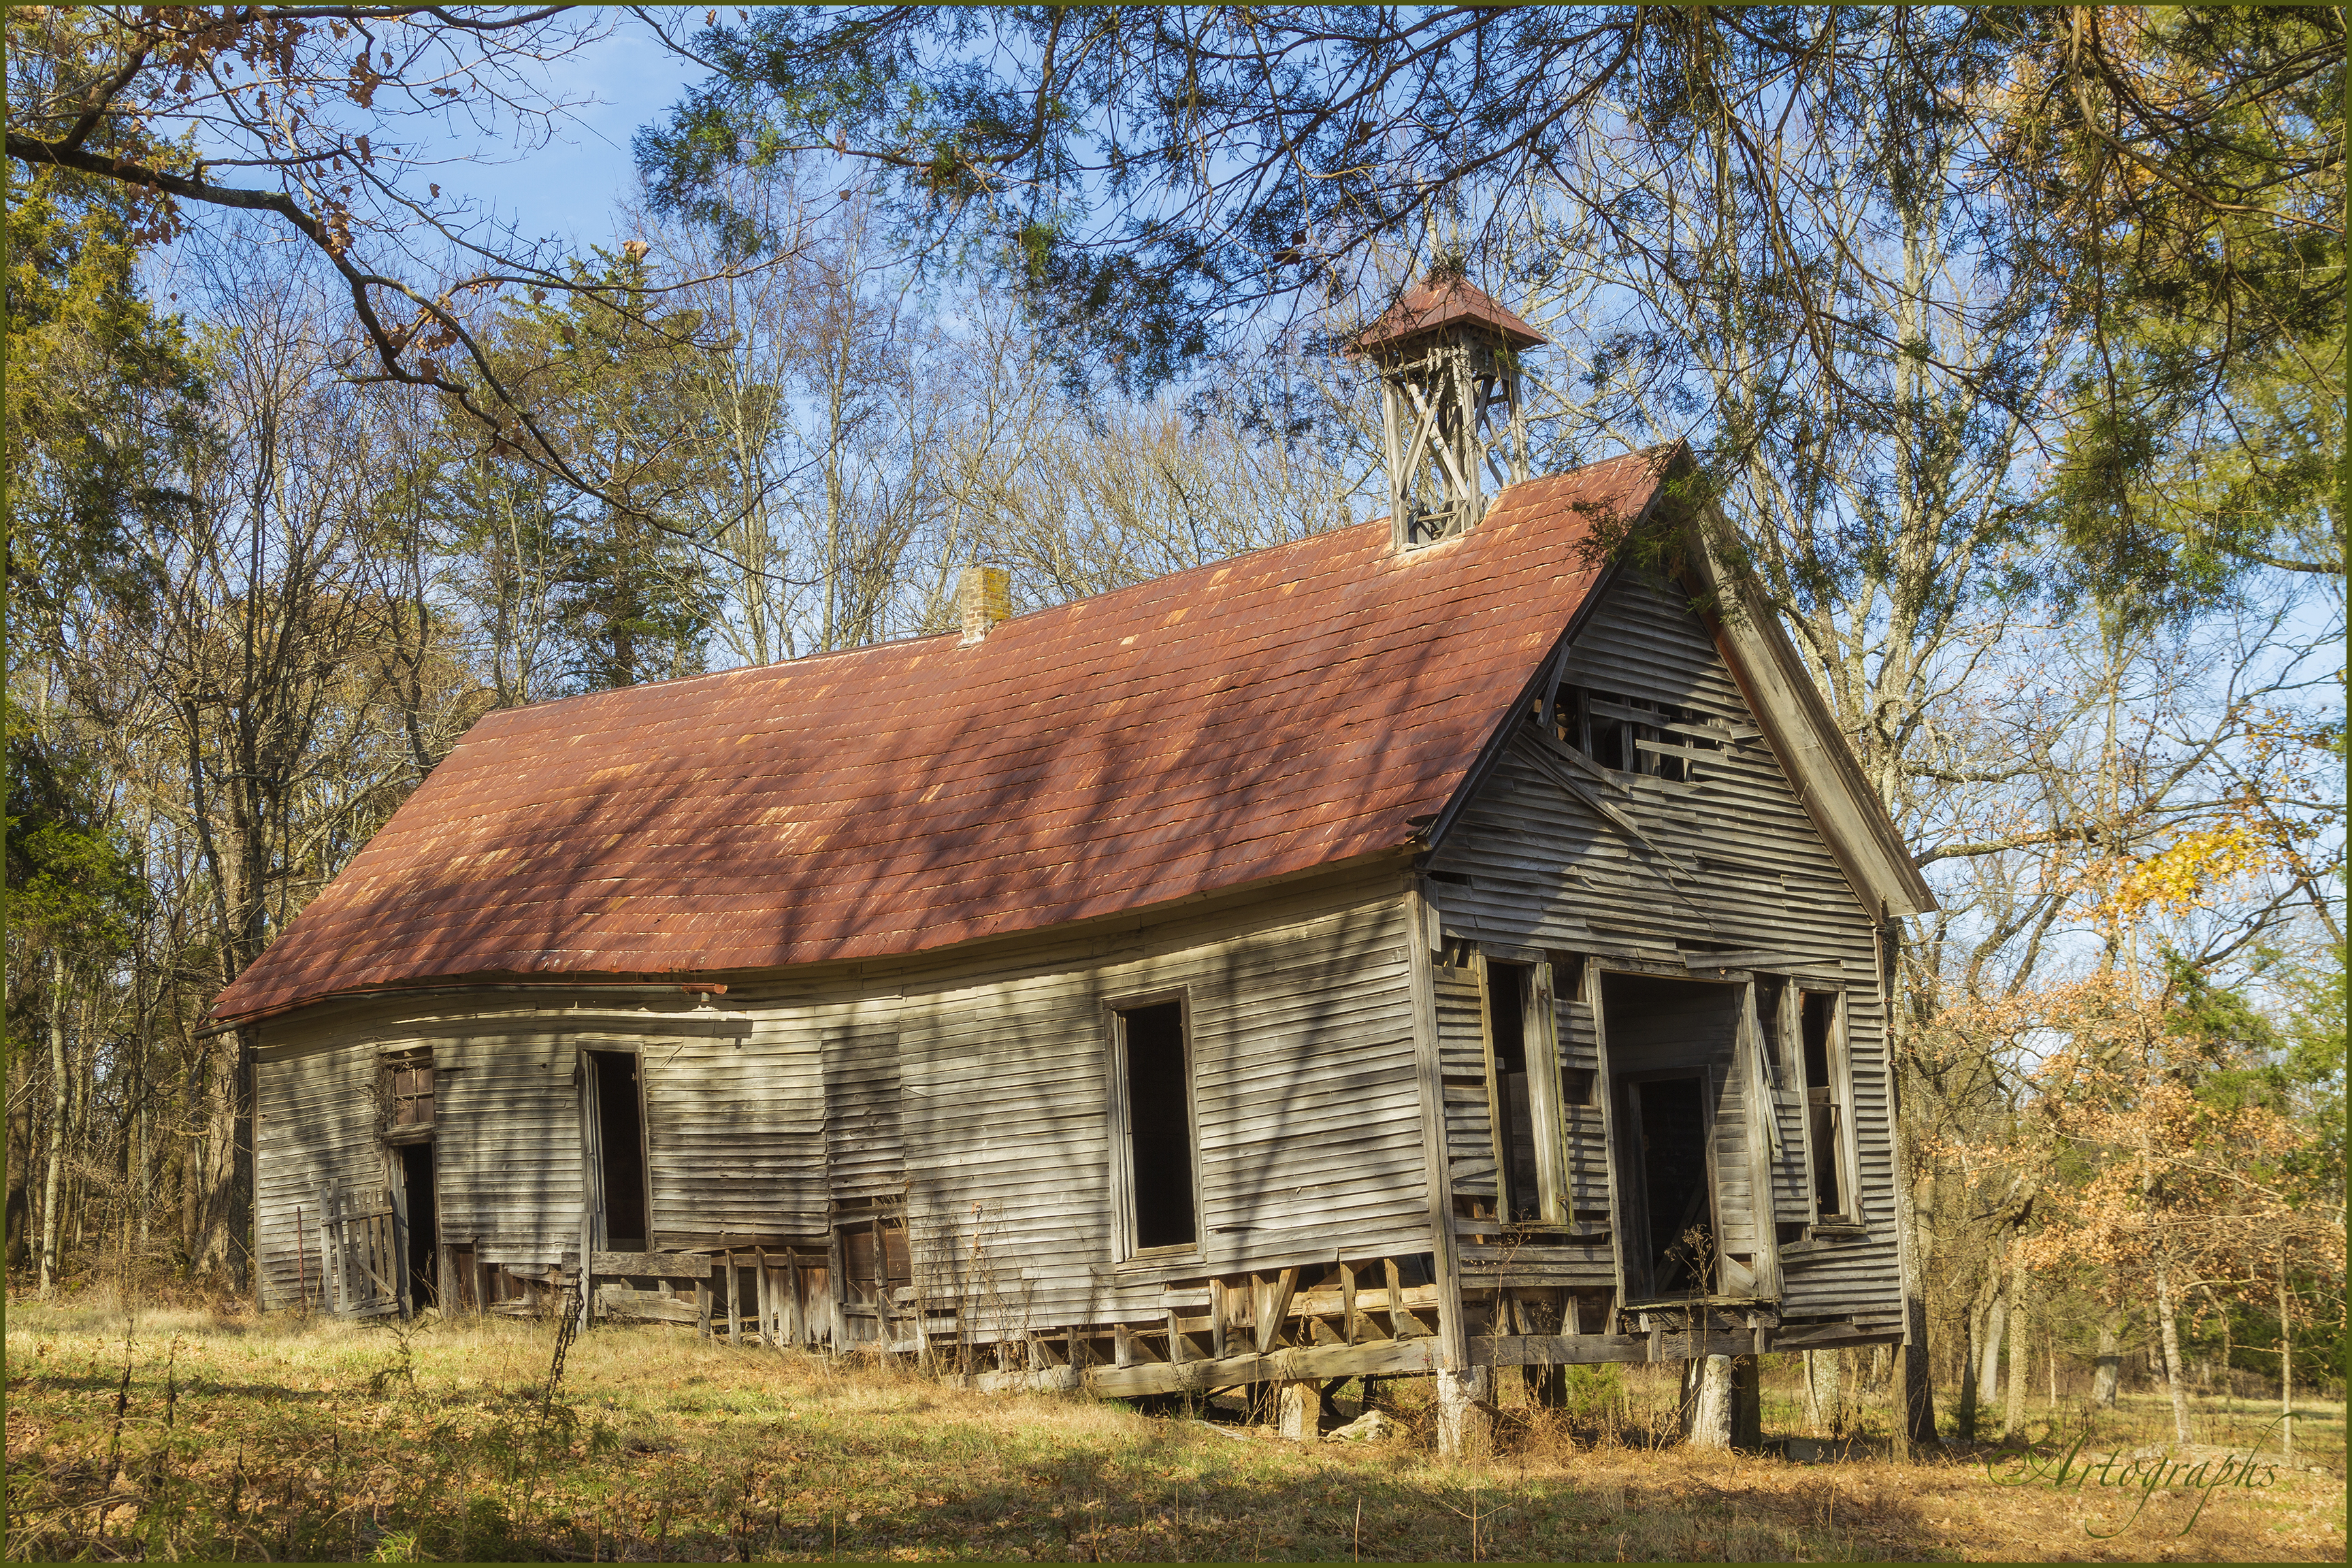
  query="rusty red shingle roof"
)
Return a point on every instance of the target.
[
  {"x": 1426, "y": 307},
  {"x": 1281, "y": 711}
]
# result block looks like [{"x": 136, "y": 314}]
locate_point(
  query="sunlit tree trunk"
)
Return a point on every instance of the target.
[
  {"x": 2102, "y": 1380},
  {"x": 2287, "y": 1362},
  {"x": 1989, "y": 1361},
  {"x": 1964, "y": 1419},
  {"x": 1824, "y": 1390},
  {"x": 59, "y": 1082},
  {"x": 2012, "y": 1415},
  {"x": 2169, "y": 1335}
]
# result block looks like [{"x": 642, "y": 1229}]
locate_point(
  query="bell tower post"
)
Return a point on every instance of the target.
[{"x": 1453, "y": 411}]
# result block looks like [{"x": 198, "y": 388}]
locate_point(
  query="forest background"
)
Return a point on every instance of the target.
[{"x": 2011, "y": 342}]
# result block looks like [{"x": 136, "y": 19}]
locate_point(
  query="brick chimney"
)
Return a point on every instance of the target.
[{"x": 985, "y": 597}]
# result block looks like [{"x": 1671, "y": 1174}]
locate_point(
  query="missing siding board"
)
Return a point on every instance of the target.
[
  {"x": 620, "y": 1149},
  {"x": 1506, "y": 991},
  {"x": 1636, "y": 735},
  {"x": 1155, "y": 1081},
  {"x": 1769, "y": 990},
  {"x": 1825, "y": 1106}
]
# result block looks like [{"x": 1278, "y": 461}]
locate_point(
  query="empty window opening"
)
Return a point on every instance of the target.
[
  {"x": 1769, "y": 989},
  {"x": 1567, "y": 976},
  {"x": 1634, "y": 734},
  {"x": 1681, "y": 1245},
  {"x": 1156, "y": 1079},
  {"x": 1515, "y": 1127},
  {"x": 621, "y": 1149},
  {"x": 1825, "y": 1104},
  {"x": 1577, "y": 1087},
  {"x": 423, "y": 1261}
]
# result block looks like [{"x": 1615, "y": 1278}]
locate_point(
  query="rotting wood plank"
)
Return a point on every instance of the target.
[
  {"x": 1560, "y": 1350},
  {"x": 1387, "y": 1358},
  {"x": 653, "y": 1265},
  {"x": 1271, "y": 1304}
]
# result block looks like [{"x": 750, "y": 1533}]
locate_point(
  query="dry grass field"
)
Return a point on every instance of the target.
[{"x": 190, "y": 1435}]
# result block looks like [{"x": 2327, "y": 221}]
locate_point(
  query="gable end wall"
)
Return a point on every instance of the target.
[{"x": 1528, "y": 864}]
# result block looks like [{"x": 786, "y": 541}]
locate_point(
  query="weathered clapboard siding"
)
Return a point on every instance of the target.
[
  {"x": 864, "y": 1160},
  {"x": 1462, "y": 1065},
  {"x": 1587, "y": 1145},
  {"x": 1732, "y": 862},
  {"x": 506, "y": 1135},
  {"x": 314, "y": 1123},
  {"x": 735, "y": 1133},
  {"x": 1859, "y": 1275},
  {"x": 1304, "y": 1093},
  {"x": 1792, "y": 1201},
  {"x": 506, "y": 1144}
]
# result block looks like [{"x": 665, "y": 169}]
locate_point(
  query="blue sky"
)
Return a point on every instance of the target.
[{"x": 566, "y": 189}]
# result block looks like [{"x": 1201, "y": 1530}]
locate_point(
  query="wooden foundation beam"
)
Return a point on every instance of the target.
[
  {"x": 1386, "y": 1357},
  {"x": 1560, "y": 1349}
]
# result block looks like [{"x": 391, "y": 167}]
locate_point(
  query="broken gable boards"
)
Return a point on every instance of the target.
[{"x": 1341, "y": 960}]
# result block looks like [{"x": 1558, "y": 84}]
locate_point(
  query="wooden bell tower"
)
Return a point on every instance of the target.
[{"x": 1451, "y": 404}]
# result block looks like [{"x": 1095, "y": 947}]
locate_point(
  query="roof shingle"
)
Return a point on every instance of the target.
[{"x": 1257, "y": 717}]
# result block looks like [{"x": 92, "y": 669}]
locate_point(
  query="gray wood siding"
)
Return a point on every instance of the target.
[
  {"x": 505, "y": 1145},
  {"x": 865, "y": 1159},
  {"x": 314, "y": 1123},
  {"x": 1462, "y": 1068},
  {"x": 1732, "y": 863},
  {"x": 1587, "y": 1143},
  {"x": 734, "y": 1133},
  {"x": 978, "y": 1087},
  {"x": 1304, "y": 1089},
  {"x": 506, "y": 1109}
]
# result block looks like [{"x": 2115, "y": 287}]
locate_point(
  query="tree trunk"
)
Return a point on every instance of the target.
[
  {"x": 226, "y": 1204},
  {"x": 2287, "y": 1362},
  {"x": 1915, "y": 1228},
  {"x": 1988, "y": 1361},
  {"x": 190, "y": 1150},
  {"x": 2102, "y": 1380},
  {"x": 1824, "y": 1392},
  {"x": 2169, "y": 1336},
  {"x": 1706, "y": 1401},
  {"x": 2013, "y": 1414},
  {"x": 61, "y": 1084},
  {"x": 1972, "y": 1335},
  {"x": 20, "y": 1182}
]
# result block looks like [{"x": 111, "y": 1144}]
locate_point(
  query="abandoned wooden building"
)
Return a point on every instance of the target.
[{"x": 1431, "y": 946}]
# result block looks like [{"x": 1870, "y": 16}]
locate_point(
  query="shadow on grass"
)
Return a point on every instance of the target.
[{"x": 659, "y": 1447}]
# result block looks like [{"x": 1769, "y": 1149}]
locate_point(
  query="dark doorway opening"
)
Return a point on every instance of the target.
[
  {"x": 1681, "y": 1242},
  {"x": 620, "y": 1149},
  {"x": 1507, "y": 1003},
  {"x": 1680, "y": 1141},
  {"x": 1158, "y": 1088},
  {"x": 424, "y": 1261}
]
